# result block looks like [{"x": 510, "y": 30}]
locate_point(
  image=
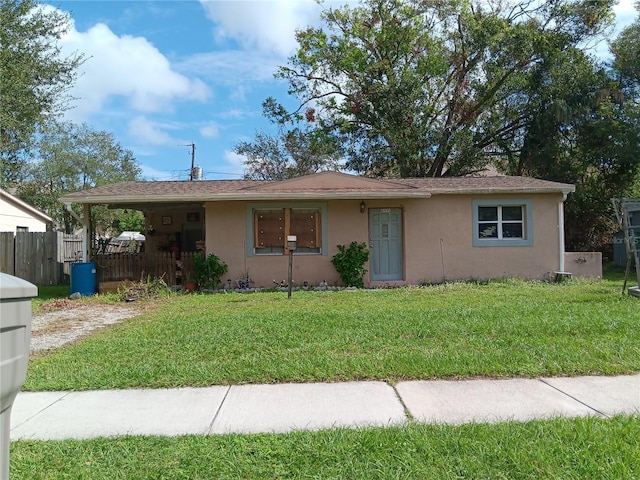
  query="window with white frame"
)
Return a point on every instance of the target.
[
  {"x": 271, "y": 226},
  {"x": 502, "y": 223}
]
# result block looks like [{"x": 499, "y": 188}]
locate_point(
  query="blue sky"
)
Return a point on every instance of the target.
[{"x": 162, "y": 75}]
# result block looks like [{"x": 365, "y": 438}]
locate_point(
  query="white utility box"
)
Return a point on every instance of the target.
[{"x": 15, "y": 338}]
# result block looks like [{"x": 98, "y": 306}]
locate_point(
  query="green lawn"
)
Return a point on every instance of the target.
[
  {"x": 582, "y": 448},
  {"x": 47, "y": 292},
  {"x": 457, "y": 330}
]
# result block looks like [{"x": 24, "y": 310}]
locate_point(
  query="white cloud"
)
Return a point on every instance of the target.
[
  {"x": 150, "y": 173},
  {"x": 265, "y": 25},
  {"x": 625, "y": 13},
  {"x": 231, "y": 67},
  {"x": 238, "y": 114},
  {"x": 210, "y": 130},
  {"x": 261, "y": 35},
  {"x": 235, "y": 160},
  {"x": 145, "y": 131},
  {"x": 125, "y": 66},
  {"x": 239, "y": 94}
]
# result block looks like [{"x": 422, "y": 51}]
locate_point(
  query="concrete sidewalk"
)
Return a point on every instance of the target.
[{"x": 287, "y": 407}]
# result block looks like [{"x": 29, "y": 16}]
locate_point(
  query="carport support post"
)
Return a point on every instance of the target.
[{"x": 87, "y": 237}]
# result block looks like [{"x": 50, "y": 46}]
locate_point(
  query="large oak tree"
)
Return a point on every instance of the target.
[{"x": 429, "y": 87}]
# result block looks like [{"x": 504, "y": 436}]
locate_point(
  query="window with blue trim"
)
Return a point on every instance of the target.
[{"x": 502, "y": 223}]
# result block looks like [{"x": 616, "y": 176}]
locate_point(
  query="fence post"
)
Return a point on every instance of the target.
[{"x": 7, "y": 253}]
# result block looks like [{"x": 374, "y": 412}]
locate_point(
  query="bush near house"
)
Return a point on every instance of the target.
[
  {"x": 208, "y": 270},
  {"x": 349, "y": 263}
]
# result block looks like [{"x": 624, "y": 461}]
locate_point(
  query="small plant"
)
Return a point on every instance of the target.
[
  {"x": 146, "y": 288},
  {"x": 208, "y": 270},
  {"x": 244, "y": 282},
  {"x": 349, "y": 263}
]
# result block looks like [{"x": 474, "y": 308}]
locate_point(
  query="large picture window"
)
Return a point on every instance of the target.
[
  {"x": 502, "y": 223},
  {"x": 271, "y": 226}
]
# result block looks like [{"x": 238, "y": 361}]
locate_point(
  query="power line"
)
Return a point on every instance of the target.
[{"x": 225, "y": 173}]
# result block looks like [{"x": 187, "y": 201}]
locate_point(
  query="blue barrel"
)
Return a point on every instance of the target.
[{"x": 83, "y": 278}]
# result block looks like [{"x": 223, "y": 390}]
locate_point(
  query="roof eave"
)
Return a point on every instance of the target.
[
  {"x": 309, "y": 195},
  {"x": 99, "y": 200},
  {"x": 43, "y": 217},
  {"x": 500, "y": 190}
]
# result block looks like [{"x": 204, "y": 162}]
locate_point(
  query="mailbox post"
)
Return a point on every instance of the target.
[
  {"x": 291, "y": 246},
  {"x": 15, "y": 339}
]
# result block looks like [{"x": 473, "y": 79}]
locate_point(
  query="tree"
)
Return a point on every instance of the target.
[
  {"x": 429, "y": 88},
  {"x": 34, "y": 77},
  {"x": 73, "y": 158},
  {"x": 606, "y": 155},
  {"x": 626, "y": 65},
  {"x": 583, "y": 127},
  {"x": 291, "y": 153},
  {"x": 626, "y": 52}
]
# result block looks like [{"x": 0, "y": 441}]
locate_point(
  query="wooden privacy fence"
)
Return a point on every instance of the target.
[
  {"x": 112, "y": 267},
  {"x": 42, "y": 258}
]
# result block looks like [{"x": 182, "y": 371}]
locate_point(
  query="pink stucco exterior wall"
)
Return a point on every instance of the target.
[
  {"x": 437, "y": 241},
  {"x": 440, "y": 245},
  {"x": 583, "y": 264}
]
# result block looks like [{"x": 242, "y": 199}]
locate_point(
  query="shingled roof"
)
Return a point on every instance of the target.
[
  {"x": 498, "y": 184},
  {"x": 323, "y": 185}
]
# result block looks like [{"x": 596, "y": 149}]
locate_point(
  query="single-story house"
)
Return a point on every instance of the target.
[
  {"x": 18, "y": 216},
  {"x": 418, "y": 230}
]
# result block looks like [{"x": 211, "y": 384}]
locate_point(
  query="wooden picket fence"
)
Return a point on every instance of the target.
[
  {"x": 113, "y": 267},
  {"x": 42, "y": 258}
]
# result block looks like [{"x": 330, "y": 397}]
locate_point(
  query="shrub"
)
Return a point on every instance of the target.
[
  {"x": 349, "y": 263},
  {"x": 208, "y": 270}
]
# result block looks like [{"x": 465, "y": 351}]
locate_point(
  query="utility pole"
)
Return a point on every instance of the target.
[{"x": 193, "y": 158}]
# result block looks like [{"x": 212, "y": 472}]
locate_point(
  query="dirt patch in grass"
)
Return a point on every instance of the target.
[{"x": 65, "y": 321}]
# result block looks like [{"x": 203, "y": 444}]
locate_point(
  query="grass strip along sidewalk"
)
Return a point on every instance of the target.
[{"x": 577, "y": 449}]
